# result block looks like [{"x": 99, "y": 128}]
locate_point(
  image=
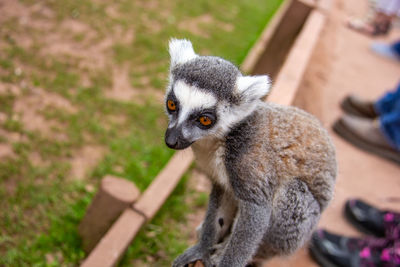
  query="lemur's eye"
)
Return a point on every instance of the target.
[
  {"x": 171, "y": 105},
  {"x": 204, "y": 120}
]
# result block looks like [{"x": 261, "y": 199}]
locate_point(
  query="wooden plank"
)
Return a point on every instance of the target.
[
  {"x": 292, "y": 72},
  {"x": 159, "y": 190},
  {"x": 112, "y": 246},
  {"x": 325, "y": 5},
  {"x": 311, "y": 3},
  {"x": 255, "y": 52},
  {"x": 276, "y": 51},
  {"x": 114, "y": 196}
]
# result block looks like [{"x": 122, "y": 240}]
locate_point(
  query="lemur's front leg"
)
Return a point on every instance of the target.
[
  {"x": 208, "y": 234},
  {"x": 247, "y": 233}
]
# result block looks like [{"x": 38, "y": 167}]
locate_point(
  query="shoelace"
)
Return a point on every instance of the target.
[
  {"x": 392, "y": 225},
  {"x": 385, "y": 251}
]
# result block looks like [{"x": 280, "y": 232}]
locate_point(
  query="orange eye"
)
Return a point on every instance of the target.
[
  {"x": 206, "y": 121},
  {"x": 171, "y": 105}
]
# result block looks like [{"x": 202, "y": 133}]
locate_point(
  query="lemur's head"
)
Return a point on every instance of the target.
[{"x": 206, "y": 95}]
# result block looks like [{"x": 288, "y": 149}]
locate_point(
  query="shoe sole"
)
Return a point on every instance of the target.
[
  {"x": 349, "y": 216},
  {"x": 320, "y": 259},
  {"x": 351, "y": 110},
  {"x": 344, "y": 132}
]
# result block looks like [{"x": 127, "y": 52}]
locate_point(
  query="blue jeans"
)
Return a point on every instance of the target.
[
  {"x": 396, "y": 48},
  {"x": 388, "y": 108}
]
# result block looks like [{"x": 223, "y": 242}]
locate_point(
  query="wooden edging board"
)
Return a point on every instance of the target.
[
  {"x": 112, "y": 246},
  {"x": 258, "y": 48},
  {"x": 292, "y": 72}
]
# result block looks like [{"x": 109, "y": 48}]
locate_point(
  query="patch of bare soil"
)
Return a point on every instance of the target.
[
  {"x": 123, "y": 36},
  {"x": 122, "y": 90},
  {"x": 3, "y": 117},
  {"x": 36, "y": 160},
  {"x": 195, "y": 25},
  {"x": 12, "y": 8},
  {"x": 139, "y": 263},
  {"x": 37, "y": 17},
  {"x": 10, "y": 186},
  {"x": 12, "y": 137},
  {"x": 94, "y": 53},
  {"x": 61, "y": 38},
  {"x": 27, "y": 110},
  {"x": 148, "y": 4},
  {"x": 85, "y": 160},
  {"x": 91, "y": 56},
  {"x": 153, "y": 25},
  {"x": 11, "y": 89},
  {"x": 6, "y": 151}
]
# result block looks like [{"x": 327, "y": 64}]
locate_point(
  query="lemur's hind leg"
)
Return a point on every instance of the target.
[{"x": 295, "y": 214}]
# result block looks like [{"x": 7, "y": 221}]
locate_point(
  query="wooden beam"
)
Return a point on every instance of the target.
[
  {"x": 112, "y": 246},
  {"x": 292, "y": 72},
  {"x": 258, "y": 48},
  {"x": 114, "y": 196},
  {"x": 165, "y": 182}
]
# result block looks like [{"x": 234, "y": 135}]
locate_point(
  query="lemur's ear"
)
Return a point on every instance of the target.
[
  {"x": 180, "y": 51},
  {"x": 253, "y": 87}
]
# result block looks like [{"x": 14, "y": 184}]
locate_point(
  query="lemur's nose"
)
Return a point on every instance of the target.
[
  {"x": 171, "y": 137},
  {"x": 175, "y": 140}
]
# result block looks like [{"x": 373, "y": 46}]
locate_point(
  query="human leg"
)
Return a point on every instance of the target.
[
  {"x": 390, "y": 51},
  {"x": 389, "y": 102},
  {"x": 390, "y": 126}
]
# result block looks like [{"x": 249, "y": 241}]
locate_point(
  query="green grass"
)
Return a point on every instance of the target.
[{"x": 40, "y": 203}]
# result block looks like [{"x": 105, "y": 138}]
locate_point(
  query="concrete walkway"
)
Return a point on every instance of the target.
[{"x": 342, "y": 64}]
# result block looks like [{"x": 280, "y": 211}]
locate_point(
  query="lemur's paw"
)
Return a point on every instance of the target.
[
  {"x": 191, "y": 255},
  {"x": 217, "y": 252}
]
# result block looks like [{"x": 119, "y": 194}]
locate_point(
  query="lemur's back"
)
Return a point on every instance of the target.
[{"x": 278, "y": 144}]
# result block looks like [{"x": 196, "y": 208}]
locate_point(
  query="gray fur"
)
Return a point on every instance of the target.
[
  {"x": 273, "y": 169},
  {"x": 212, "y": 74}
]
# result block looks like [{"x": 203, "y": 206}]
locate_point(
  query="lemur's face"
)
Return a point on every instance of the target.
[
  {"x": 192, "y": 115},
  {"x": 206, "y": 96}
]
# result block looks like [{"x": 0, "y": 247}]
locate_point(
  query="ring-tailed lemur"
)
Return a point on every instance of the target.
[{"x": 273, "y": 167}]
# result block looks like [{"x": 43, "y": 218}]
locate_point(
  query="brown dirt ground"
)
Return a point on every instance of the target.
[
  {"x": 92, "y": 54},
  {"x": 195, "y": 25},
  {"x": 85, "y": 159},
  {"x": 27, "y": 110}
]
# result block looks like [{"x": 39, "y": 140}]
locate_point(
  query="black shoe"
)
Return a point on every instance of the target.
[
  {"x": 356, "y": 106},
  {"x": 365, "y": 217},
  {"x": 331, "y": 250},
  {"x": 370, "y": 220}
]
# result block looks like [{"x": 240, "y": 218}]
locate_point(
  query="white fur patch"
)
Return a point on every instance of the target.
[
  {"x": 210, "y": 155},
  {"x": 180, "y": 51},
  {"x": 234, "y": 115},
  {"x": 253, "y": 87},
  {"x": 190, "y": 98}
]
